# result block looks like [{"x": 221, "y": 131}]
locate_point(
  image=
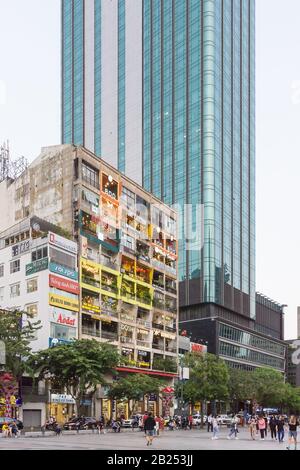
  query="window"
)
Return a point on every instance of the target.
[
  {"x": 62, "y": 332},
  {"x": 1, "y": 294},
  {"x": 1, "y": 270},
  {"x": 15, "y": 290},
  {"x": 32, "y": 285},
  {"x": 39, "y": 253},
  {"x": 32, "y": 310},
  {"x": 90, "y": 175},
  {"x": 15, "y": 266},
  {"x": 128, "y": 198},
  {"x": 128, "y": 242},
  {"x": 63, "y": 259}
]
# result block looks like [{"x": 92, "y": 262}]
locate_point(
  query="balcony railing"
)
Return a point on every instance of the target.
[
  {"x": 142, "y": 322},
  {"x": 90, "y": 332},
  {"x": 108, "y": 263},
  {"x": 158, "y": 326},
  {"x": 90, "y": 281},
  {"x": 170, "y": 329},
  {"x": 172, "y": 290},
  {"x": 109, "y": 335},
  {"x": 109, "y": 312},
  {"x": 144, "y": 300},
  {"x": 171, "y": 350},
  {"x": 128, "y": 295},
  {"x": 109, "y": 288},
  {"x": 143, "y": 344},
  {"x": 159, "y": 347},
  {"x": 159, "y": 304},
  {"x": 126, "y": 339}
]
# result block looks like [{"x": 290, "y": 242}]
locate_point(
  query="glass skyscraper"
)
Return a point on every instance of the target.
[{"x": 164, "y": 90}]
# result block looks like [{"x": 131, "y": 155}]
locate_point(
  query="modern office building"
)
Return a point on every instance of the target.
[
  {"x": 247, "y": 345},
  {"x": 165, "y": 91},
  {"x": 108, "y": 272}
]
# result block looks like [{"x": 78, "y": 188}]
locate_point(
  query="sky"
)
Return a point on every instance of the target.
[{"x": 30, "y": 119}]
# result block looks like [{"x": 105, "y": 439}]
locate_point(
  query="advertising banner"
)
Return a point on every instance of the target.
[
  {"x": 63, "y": 243},
  {"x": 63, "y": 302},
  {"x": 36, "y": 266},
  {"x": 64, "y": 284},
  {"x": 63, "y": 271},
  {"x": 63, "y": 317}
]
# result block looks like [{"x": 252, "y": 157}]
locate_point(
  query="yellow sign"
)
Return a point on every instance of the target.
[
  {"x": 90, "y": 307},
  {"x": 90, "y": 266},
  {"x": 64, "y": 302}
]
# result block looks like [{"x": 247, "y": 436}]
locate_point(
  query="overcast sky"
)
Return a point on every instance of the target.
[{"x": 30, "y": 118}]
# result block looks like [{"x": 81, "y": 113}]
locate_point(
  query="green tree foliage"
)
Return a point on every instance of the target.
[
  {"x": 17, "y": 334},
  {"x": 167, "y": 364},
  {"x": 77, "y": 368},
  {"x": 209, "y": 378},
  {"x": 134, "y": 387}
]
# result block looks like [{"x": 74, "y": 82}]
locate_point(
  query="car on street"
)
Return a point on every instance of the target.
[
  {"x": 132, "y": 422},
  {"x": 197, "y": 419},
  {"x": 224, "y": 420},
  {"x": 80, "y": 424}
]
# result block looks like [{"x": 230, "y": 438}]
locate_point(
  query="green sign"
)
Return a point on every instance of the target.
[{"x": 37, "y": 266}]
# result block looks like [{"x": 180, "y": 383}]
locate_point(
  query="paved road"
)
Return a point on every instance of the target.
[{"x": 176, "y": 440}]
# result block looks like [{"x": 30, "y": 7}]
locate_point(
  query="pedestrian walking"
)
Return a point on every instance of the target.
[
  {"x": 215, "y": 427},
  {"x": 280, "y": 429},
  {"x": 157, "y": 423},
  {"x": 233, "y": 428},
  {"x": 190, "y": 419},
  {"x": 273, "y": 427},
  {"x": 262, "y": 427},
  {"x": 209, "y": 424},
  {"x": 293, "y": 424},
  {"x": 149, "y": 429},
  {"x": 252, "y": 427}
]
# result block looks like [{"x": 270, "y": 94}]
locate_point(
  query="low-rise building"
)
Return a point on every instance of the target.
[{"x": 115, "y": 280}]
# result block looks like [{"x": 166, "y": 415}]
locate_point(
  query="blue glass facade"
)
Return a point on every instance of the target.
[
  {"x": 197, "y": 125},
  {"x": 199, "y": 137}
]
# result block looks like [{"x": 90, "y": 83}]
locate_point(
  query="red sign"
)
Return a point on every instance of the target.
[
  {"x": 64, "y": 284},
  {"x": 198, "y": 348},
  {"x": 66, "y": 320}
]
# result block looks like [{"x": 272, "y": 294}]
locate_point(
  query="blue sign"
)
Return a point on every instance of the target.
[
  {"x": 56, "y": 341},
  {"x": 63, "y": 271}
]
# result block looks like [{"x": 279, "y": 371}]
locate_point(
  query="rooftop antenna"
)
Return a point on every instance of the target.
[{"x": 10, "y": 168}]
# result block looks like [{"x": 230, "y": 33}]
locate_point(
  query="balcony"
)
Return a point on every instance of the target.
[
  {"x": 109, "y": 312},
  {"x": 126, "y": 340},
  {"x": 110, "y": 287},
  {"x": 86, "y": 330},
  {"x": 109, "y": 335},
  {"x": 143, "y": 344},
  {"x": 142, "y": 322},
  {"x": 90, "y": 281},
  {"x": 160, "y": 304},
  {"x": 171, "y": 350},
  {"x": 109, "y": 263},
  {"x": 170, "y": 329},
  {"x": 158, "y": 346},
  {"x": 171, "y": 290},
  {"x": 158, "y": 326}
]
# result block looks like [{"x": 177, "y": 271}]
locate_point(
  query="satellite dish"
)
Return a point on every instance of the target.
[{"x": 36, "y": 227}]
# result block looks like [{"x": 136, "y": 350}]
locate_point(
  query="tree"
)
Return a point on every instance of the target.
[
  {"x": 267, "y": 387},
  {"x": 208, "y": 380},
  {"x": 77, "y": 368},
  {"x": 17, "y": 334},
  {"x": 134, "y": 387},
  {"x": 167, "y": 364},
  {"x": 240, "y": 386}
]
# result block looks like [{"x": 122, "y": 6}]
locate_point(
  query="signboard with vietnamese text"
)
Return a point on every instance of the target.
[
  {"x": 63, "y": 243},
  {"x": 198, "y": 348},
  {"x": 64, "y": 302},
  {"x": 63, "y": 271},
  {"x": 63, "y": 317},
  {"x": 64, "y": 284},
  {"x": 20, "y": 248},
  {"x": 36, "y": 266}
]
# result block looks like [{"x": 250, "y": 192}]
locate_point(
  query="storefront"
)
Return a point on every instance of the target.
[{"x": 61, "y": 407}]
